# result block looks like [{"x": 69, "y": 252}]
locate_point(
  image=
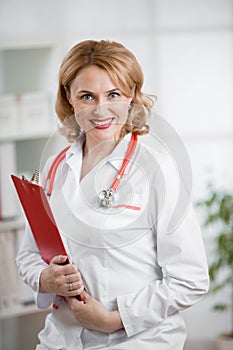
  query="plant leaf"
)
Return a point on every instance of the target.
[{"x": 220, "y": 307}]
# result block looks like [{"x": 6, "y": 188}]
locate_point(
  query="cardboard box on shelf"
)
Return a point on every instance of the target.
[
  {"x": 8, "y": 206},
  {"x": 8, "y": 116},
  {"x": 35, "y": 113},
  {"x": 9, "y": 294}
]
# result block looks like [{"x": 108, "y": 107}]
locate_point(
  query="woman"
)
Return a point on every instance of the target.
[{"x": 113, "y": 199}]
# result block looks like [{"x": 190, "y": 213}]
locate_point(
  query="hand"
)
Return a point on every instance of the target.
[
  {"x": 63, "y": 280},
  {"x": 91, "y": 314}
]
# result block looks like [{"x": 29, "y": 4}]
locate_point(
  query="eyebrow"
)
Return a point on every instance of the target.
[{"x": 90, "y": 92}]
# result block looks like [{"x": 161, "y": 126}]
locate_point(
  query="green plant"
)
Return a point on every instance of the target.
[{"x": 219, "y": 216}]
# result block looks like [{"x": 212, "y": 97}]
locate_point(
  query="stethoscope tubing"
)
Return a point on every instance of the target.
[
  {"x": 50, "y": 178},
  {"x": 128, "y": 157},
  {"x": 49, "y": 181}
]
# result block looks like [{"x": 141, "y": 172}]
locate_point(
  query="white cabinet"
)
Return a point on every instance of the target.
[
  {"x": 17, "y": 313},
  {"x": 28, "y": 82},
  {"x": 27, "y": 90}
]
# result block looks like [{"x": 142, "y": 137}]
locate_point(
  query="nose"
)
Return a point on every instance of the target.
[{"x": 100, "y": 108}]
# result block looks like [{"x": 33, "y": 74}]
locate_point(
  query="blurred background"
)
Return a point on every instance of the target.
[{"x": 185, "y": 49}]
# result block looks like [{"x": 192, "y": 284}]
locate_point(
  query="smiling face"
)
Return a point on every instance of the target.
[{"x": 100, "y": 107}]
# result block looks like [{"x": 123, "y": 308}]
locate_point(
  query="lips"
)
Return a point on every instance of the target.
[{"x": 102, "y": 123}]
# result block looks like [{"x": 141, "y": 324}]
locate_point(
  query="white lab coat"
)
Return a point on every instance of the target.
[{"x": 128, "y": 258}]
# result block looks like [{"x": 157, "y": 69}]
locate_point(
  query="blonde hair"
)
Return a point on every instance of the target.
[{"x": 124, "y": 71}]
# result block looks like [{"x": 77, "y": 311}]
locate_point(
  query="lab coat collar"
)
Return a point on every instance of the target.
[
  {"x": 76, "y": 147},
  {"x": 118, "y": 154}
]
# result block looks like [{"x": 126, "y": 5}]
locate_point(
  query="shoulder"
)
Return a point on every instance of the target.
[
  {"x": 54, "y": 160},
  {"x": 155, "y": 157},
  {"x": 161, "y": 170},
  {"x": 45, "y": 169}
]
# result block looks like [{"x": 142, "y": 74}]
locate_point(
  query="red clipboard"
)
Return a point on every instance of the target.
[{"x": 40, "y": 218}]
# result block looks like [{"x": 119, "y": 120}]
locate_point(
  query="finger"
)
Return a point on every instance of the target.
[
  {"x": 72, "y": 278},
  {"x": 76, "y": 292},
  {"x": 73, "y": 302},
  {"x": 71, "y": 269},
  {"x": 58, "y": 259},
  {"x": 85, "y": 296},
  {"x": 74, "y": 288},
  {"x": 74, "y": 285}
]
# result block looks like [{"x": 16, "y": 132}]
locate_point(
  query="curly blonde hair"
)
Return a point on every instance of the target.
[{"x": 124, "y": 71}]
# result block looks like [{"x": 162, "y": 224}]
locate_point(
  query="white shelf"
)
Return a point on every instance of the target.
[
  {"x": 11, "y": 225},
  {"x": 28, "y": 44},
  {"x": 20, "y": 310},
  {"x": 24, "y": 137},
  {"x": 36, "y": 67}
]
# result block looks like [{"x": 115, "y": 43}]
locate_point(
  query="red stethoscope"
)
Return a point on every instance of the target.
[{"x": 105, "y": 197}]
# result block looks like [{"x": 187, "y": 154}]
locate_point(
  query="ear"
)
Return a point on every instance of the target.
[
  {"x": 130, "y": 104},
  {"x": 68, "y": 95},
  {"x": 130, "y": 99}
]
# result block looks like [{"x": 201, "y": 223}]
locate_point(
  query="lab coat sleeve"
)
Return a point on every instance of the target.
[
  {"x": 180, "y": 255},
  {"x": 30, "y": 264}
]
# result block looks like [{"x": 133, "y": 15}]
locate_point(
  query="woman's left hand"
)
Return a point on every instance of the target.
[{"x": 91, "y": 314}]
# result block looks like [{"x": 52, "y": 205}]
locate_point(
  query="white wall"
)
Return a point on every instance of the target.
[{"x": 185, "y": 48}]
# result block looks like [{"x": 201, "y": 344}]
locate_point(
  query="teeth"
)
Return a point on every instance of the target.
[{"x": 101, "y": 122}]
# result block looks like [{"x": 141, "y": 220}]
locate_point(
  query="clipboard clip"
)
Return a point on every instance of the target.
[{"x": 35, "y": 178}]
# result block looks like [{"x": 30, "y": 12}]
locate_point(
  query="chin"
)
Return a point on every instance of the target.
[{"x": 106, "y": 134}]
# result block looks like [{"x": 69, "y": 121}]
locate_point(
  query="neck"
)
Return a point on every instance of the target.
[{"x": 98, "y": 149}]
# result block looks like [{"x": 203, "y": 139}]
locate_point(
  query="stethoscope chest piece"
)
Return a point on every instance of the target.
[{"x": 106, "y": 198}]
